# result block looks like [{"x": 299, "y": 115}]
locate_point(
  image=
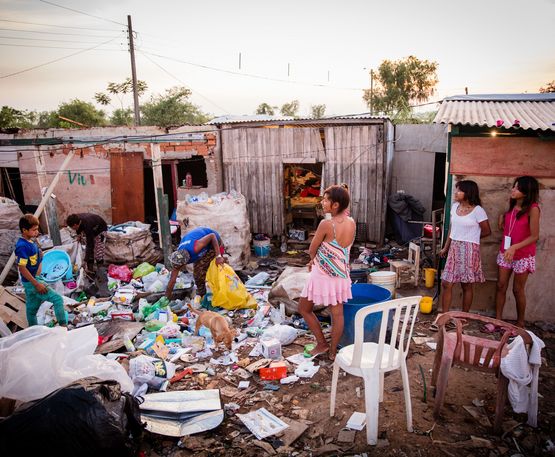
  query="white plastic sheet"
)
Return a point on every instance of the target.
[{"x": 39, "y": 360}]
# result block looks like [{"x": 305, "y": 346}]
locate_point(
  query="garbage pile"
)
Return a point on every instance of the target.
[{"x": 192, "y": 361}]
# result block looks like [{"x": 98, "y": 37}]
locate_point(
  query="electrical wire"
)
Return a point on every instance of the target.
[
  {"x": 56, "y": 33},
  {"x": 48, "y": 39},
  {"x": 55, "y": 60},
  {"x": 54, "y": 47},
  {"x": 251, "y": 75},
  {"x": 82, "y": 12},
  {"x": 58, "y": 26},
  {"x": 181, "y": 82}
]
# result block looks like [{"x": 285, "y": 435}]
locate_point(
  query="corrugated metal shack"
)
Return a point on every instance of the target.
[
  {"x": 355, "y": 150},
  {"x": 493, "y": 139}
]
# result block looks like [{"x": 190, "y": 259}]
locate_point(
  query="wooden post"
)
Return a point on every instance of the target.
[
  {"x": 39, "y": 210},
  {"x": 51, "y": 213},
  {"x": 164, "y": 234}
]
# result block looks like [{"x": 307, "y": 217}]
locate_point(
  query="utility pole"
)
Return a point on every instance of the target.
[
  {"x": 371, "y": 92},
  {"x": 133, "y": 71}
]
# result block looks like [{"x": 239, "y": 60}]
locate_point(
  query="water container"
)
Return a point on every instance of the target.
[
  {"x": 56, "y": 265},
  {"x": 385, "y": 279},
  {"x": 261, "y": 248},
  {"x": 363, "y": 295}
]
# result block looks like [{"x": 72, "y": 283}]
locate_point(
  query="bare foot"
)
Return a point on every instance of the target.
[
  {"x": 332, "y": 353},
  {"x": 319, "y": 349}
]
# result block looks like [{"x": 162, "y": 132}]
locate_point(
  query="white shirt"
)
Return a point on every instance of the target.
[{"x": 467, "y": 228}]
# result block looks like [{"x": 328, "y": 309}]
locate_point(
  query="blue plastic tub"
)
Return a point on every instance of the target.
[
  {"x": 56, "y": 265},
  {"x": 363, "y": 295}
]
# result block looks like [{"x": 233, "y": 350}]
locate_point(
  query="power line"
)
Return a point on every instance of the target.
[
  {"x": 55, "y": 60},
  {"x": 55, "y": 33},
  {"x": 55, "y": 47},
  {"x": 48, "y": 39},
  {"x": 82, "y": 12},
  {"x": 250, "y": 75},
  {"x": 180, "y": 81},
  {"x": 58, "y": 26}
]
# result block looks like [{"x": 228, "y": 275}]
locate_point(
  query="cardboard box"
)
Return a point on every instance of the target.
[
  {"x": 299, "y": 235},
  {"x": 276, "y": 371},
  {"x": 271, "y": 349}
]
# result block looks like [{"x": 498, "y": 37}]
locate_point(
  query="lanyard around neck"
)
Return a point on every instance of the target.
[{"x": 512, "y": 225}]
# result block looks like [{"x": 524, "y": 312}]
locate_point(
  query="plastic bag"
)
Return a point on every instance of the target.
[
  {"x": 39, "y": 360},
  {"x": 149, "y": 370},
  {"x": 121, "y": 272},
  {"x": 284, "y": 333},
  {"x": 88, "y": 419},
  {"x": 228, "y": 291},
  {"x": 143, "y": 269}
]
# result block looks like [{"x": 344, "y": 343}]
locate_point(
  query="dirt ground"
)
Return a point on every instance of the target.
[{"x": 306, "y": 402}]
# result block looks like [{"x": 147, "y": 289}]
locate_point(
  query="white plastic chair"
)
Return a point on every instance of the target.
[{"x": 371, "y": 360}]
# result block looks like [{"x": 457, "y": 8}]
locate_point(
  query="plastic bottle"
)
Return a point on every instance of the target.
[
  {"x": 128, "y": 343},
  {"x": 205, "y": 332}
]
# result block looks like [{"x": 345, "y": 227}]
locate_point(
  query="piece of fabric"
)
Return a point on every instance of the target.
[
  {"x": 189, "y": 240},
  {"x": 325, "y": 290},
  {"x": 33, "y": 300},
  {"x": 467, "y": 227},
  {"x": 522, "y": 371},
  {"x": 527, "y": 264},
  {"x": 463, "y": 263},
  {"x": 332, "y": 258},
  {"x": 406, "y": 206},
  {"x": 91, "y": 225},
  {"x": 518, "y": 230},
  {"x": 199, "y": 271},
  {"x": 99, "y": 247},
  {"x": 27, "y": 254}
]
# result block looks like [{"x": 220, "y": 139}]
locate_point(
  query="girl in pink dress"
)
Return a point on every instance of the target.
[
  {"x": 329, "y": 282},
  {"x": 521, "y": 230}
]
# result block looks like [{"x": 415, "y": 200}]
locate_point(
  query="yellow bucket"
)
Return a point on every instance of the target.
[
  {"x": 426, "y": 305},
  {"x": 430, "y": 277}
]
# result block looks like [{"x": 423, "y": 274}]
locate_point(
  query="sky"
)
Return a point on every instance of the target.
[{"x": 315, "y": 51}]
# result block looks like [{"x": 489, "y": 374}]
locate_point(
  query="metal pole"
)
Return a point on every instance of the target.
[
  {"x": 371, "y": 92},
  {"x": 133, "y": 72}
]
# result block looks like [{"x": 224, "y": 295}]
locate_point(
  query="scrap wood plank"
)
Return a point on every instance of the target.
[{"x": 12, "y": 309}]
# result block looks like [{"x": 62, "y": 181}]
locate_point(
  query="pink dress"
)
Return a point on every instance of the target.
[{"x": 329, "y": 282}]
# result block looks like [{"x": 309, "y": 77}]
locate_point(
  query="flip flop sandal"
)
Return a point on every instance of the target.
[
  {"x": 489, "y": 328},
  {"x": 433, "y": 328}
]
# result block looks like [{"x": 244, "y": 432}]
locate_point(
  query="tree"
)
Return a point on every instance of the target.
[
  {"x": 318, "y": 111},
  {"x": 119, "y": 90},
  {"x": 122, "y": 117},
  {"x": 173, "y": 108},
  {"x": 290, "y": 109},
  {"x": 82, "y": 112},
  {"x": 549, "y": 87},
  {"x": 265, "y": 108},
  {"x": 14, "y": 118},
  {"x": 400, "y": 83}
]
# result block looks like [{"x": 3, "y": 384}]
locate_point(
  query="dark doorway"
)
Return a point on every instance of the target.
[
  {"x": 10, "y": 180},
  {"x": 438, "y": 200}
]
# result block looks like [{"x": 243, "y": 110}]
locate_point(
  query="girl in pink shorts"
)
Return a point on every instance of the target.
[{"x": 521, "y": 230}]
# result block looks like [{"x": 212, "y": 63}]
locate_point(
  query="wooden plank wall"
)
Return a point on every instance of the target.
[
  {"x": 356, "y": 155},
  {"x": 253, "y": 161}
]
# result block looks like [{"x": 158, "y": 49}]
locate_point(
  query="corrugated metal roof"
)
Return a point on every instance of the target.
[
  {"x": 237, "y": 119},
  {"x": 533, "y": 111}
]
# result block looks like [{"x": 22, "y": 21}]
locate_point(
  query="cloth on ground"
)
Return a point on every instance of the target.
[{"x": 522, "y": 371}]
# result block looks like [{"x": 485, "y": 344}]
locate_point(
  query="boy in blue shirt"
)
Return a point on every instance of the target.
[{"x": 29, "y": 263}]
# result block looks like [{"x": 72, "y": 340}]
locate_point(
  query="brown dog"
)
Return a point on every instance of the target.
[{"x": 217, "y": 324}]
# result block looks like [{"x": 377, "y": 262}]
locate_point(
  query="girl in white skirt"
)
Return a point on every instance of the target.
[{"x": 469, "y": 223}]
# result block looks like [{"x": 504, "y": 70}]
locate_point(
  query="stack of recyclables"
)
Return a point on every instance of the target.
[{"x": 56, "y": 265}]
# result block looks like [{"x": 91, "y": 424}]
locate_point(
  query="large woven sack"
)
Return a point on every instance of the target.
[
  {"x": 131, "y": 249},
  {"x": 227, "y": 216},
  {"x": 8, "y": 238},
  {"x": 9, "y": 214}
]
